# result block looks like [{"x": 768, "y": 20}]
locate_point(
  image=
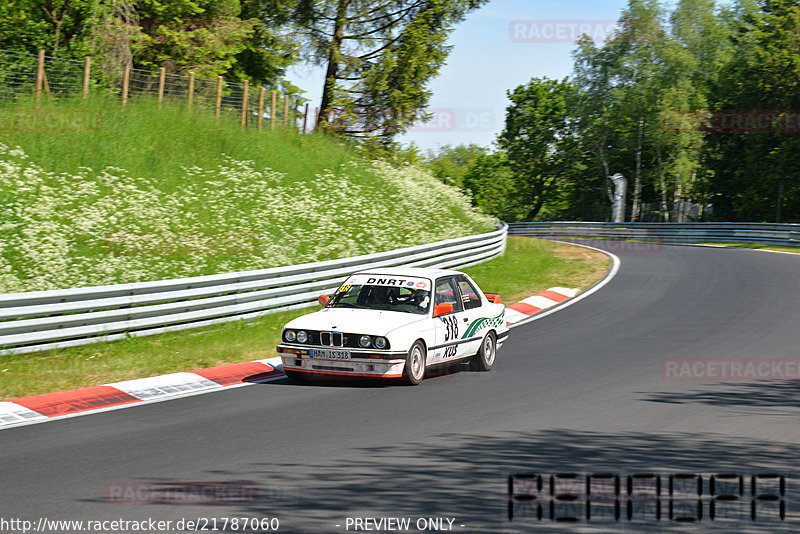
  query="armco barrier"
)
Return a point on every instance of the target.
[
  {"x": 42, "y": 320},
  {"x": 769, "y": 233}
]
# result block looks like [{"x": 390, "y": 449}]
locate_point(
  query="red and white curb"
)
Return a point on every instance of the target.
[
  {"x": 541, "y": 301},
  {"x": 63, "y": 404}
]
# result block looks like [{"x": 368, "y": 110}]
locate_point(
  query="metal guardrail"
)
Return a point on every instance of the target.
[
  {"x": 42, "y": 320},
  {"x": 704, "y": 232}
]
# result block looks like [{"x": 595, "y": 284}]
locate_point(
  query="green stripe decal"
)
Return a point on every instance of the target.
[{"x": 489, "y": 322}]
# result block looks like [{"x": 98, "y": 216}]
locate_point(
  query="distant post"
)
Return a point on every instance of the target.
[
  {"x": 191, "y": 88},
  {"x": 219, "y": 98},
  {"x": 162, "y": 74},
  {"x": 126, "y": 79},
  {"x": 285, "y": 110},
  {"x": 260, "y": 107},
  {"x": 87, "y": 69},
  {"x": 274, "y": 110},
  {"x": 39, "y": 76},
  {"x": 244, "y": 104}
]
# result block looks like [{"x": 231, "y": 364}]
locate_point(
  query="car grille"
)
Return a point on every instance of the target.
[{"x": 331, "y": 339}]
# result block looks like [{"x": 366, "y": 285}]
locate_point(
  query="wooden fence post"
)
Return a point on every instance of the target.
[
  {"x": 244, "y": 104},
  {"x": 191, "y": 88},
  {"x": 274, "y": 110},
  {"x": 161, "y": 76},
  {"x": 219, "y": 98},
  {"x": 39, "y": 77},
  {"x": 87, "y": 70},
  {"x": 126, "y": 79},
  {"x": 285, "y": 110},
  {"x": 260, "y": 107}
]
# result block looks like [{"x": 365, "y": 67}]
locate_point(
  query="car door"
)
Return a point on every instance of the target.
[
  {"x": 472, "y": 317},
  {"x": 449, "y": 327}
]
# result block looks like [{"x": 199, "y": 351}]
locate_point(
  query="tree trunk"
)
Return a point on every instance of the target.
[
  {"x": 663, "y": 183},
  {"x": 637, "y": 182},
  {"x": 334, "y": 57},
  {"x": 57, "y": 23},
  {"x": 676, "y": 202}
]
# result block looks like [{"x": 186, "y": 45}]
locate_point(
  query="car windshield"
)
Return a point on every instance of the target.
[{"x": 408, "y": 295}]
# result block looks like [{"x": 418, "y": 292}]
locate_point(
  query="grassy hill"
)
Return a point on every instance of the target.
[{"x": 91, "y": 193}]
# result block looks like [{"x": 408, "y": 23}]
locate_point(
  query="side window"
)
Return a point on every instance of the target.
[
  {"x": 469, "y": 294},
  {"x": 446, "y": 292}
]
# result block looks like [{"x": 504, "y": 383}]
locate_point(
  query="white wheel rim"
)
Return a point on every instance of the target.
[
  {"x": 416, "y": 363},
  {"x": 488, "y": 350}
]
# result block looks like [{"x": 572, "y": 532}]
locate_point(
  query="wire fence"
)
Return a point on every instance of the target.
[{"x": 31, "y": 76}]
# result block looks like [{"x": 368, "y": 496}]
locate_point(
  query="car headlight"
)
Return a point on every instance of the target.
[
  {"x": 302, "y": 337},
  {"x": 365, "y": 341},
  {"x": 380, "y": 342},
  {"x": 289, "y": 335}
]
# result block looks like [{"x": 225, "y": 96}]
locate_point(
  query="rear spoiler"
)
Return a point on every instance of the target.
[{"x": 493, "y": 297}]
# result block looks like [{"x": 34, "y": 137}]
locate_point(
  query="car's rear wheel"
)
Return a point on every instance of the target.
[
  {"x": 297, "y": 376},
  {"x": 484, "y": 360},
  {"x": 414, "y": 370}
]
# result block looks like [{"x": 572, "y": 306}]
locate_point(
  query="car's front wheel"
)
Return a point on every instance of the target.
[
  {"x": 414, "y": 370},
  {"x": 484, "y": 360}
]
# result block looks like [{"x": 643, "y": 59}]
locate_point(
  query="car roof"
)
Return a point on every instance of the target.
[{"x": 421, "y": 272}]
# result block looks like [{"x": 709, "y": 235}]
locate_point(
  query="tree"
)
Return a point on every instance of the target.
[
  {"x": 53, "y": 25},
  {"x": 210, "y": 37},
  {"x": 450, "y": 164},
  {"x": 538, "y": 140},
  {"x": 757, "y": 164},
  {"x": 379, "y": 56},
  {"x": 642, "y": 96},
  {"x": 493, "y": 188}
]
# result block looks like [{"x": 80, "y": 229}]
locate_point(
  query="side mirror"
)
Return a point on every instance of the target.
[
  {"x": 443, "y": 309},
  {"x": 493, "y": 297},
  {"x": 323, "y": 300}
]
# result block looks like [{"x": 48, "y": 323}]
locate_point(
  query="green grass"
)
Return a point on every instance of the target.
[
  {"x": 97, "y": 194},
  {"x": 156, "y": 141},
  {"x": 528, "y": 266}
]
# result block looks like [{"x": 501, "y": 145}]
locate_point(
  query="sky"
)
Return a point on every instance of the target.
[{"x": 495, "y": 49}]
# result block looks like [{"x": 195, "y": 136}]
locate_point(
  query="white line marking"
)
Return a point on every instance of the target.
[{"x": 615, "y": 263}]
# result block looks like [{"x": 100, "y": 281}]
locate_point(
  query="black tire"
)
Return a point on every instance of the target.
[
  {"x": 414, "y": 370},
  {"x": 297, "y": 376},
  {"x": 484, "y": 360}
]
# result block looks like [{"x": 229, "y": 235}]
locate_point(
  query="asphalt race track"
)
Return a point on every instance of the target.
[{"x": 578, "y": 391}]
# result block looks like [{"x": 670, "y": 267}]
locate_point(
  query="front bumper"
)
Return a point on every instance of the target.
[{"x": 361, "y": 363}]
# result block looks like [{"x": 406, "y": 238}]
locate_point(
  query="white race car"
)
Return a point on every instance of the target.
[{"x": 395, "y": 323}]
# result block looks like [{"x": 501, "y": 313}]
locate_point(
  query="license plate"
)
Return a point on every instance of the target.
[{"x": 326, "y": 354}]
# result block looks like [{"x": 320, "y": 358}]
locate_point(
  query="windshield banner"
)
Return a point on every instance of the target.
[{"x": 408, "y": 282}]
